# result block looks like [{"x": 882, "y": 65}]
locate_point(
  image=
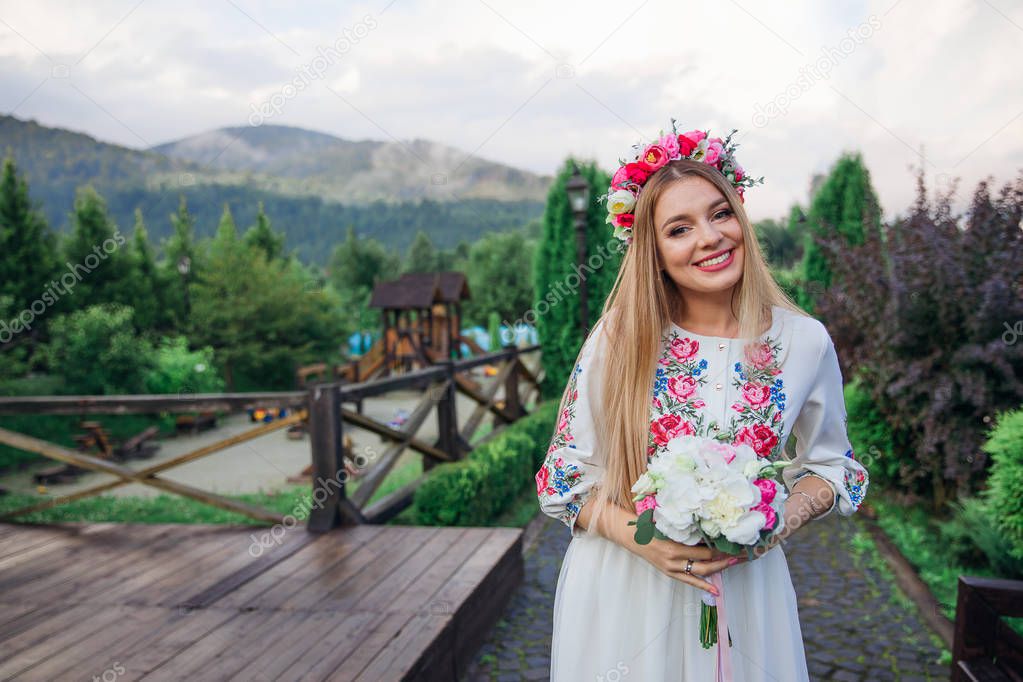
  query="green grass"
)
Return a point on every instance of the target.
[
  {"x": 294, "y": 500},
  {"x": 915, "y": 531},
  {"x": 159, "y": 509}
]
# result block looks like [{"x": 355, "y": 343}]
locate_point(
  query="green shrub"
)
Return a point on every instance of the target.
[
  {"x": 183, "y": 371},
  {"x": 974, "y": 539},
  {"x": 97, "y": 351},
  {"x": 1004, "y": 490},
  {"x": 870, "y": 436},
  {"x": 476, "y": 490}
]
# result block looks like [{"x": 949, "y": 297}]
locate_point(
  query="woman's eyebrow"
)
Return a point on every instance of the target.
[{"x": 680, "y": 216}]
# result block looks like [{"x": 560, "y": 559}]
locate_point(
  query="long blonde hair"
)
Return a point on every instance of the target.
[{"x": 640, "y": 305}]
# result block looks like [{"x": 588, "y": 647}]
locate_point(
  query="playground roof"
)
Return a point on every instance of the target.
[{"x": 417, "y": 290}]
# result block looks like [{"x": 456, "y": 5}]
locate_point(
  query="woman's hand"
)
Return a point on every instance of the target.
[
  {"x": 671, "y": 558},
  {"x": 667, "y": 556}
]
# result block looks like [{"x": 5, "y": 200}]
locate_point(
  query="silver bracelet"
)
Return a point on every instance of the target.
[
  {"x": 809, "y": 472},
  {"x": 813, "y": 503}
]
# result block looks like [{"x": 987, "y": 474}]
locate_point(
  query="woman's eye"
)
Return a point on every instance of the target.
[{"x": 679, "y": 229}]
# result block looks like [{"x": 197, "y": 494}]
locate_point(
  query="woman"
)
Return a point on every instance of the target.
[{"x": 695, "y": 338}]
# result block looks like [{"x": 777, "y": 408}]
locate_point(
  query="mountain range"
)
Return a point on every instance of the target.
[{"x": 313, "y": 185}]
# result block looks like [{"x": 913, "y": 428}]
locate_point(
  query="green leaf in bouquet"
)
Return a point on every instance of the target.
[
  {"x": 726, "y": 545},
  {"x": 645, "y": 527}
]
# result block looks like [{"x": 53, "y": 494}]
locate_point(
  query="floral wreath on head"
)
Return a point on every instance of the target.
[{"x": 696, "y": 145}]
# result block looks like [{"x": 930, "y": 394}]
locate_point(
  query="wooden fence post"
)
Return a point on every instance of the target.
[
  {"x": 325, "y": 438},
  {"x": 447, "y": 421},
  {"x": 512, "y": 400}
]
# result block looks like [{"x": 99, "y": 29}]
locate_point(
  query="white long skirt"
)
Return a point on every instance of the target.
[{"x": 616, "y": 617}]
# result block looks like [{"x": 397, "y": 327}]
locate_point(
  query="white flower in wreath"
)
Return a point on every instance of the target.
[{"x": 621, "y": 201}]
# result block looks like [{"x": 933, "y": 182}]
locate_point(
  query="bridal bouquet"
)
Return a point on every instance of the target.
[{"x": 700, "y": 489}]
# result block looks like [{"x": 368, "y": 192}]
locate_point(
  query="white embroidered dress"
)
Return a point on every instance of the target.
[{"x": 616, "y": 617}]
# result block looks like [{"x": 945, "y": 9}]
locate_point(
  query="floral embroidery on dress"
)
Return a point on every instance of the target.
[
  {"x": 676, "y": 403},
  {"x": 556, "y": 476},
  {"x": 855, "y": 483},
  {"x": 757, "y": 419}
]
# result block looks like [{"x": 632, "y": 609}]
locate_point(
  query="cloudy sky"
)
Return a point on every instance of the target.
[{"x": 906, "y": 82}]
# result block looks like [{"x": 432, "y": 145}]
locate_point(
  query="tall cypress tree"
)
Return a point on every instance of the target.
[
  {"x": 844, "y": 206},
  {"x": 28, "y": 249},
  {"x": 556, "y": 272}
]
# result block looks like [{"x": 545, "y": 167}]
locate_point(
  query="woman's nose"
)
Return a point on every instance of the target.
[{"x": 708, "y": 234}]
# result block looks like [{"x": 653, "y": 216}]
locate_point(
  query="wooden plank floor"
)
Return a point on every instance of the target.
[{"x": 168, "y": 602}]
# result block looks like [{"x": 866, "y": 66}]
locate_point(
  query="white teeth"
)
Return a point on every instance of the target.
[{"x": 714, "y": 261}]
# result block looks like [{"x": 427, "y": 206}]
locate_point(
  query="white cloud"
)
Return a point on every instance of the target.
[{"x": 529, "y": 83}]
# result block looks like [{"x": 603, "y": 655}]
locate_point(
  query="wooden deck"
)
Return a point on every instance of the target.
[{"x": 169, "y": 602}]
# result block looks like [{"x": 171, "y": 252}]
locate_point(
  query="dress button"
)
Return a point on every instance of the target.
[
  {"x": 717, "y": 387},
  {"x": 714, "y": 426},
  {"x": 721, "y": 346}
]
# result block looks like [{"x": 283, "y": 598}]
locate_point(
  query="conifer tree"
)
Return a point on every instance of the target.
[
  {"x": 28, "y": 249},
  {"x": 422, "y": 255},
  {"x": 557, "y": 273},
  {"x": 94, "y": 253},
  {"x": 844, "y": 206},
  {"x": 262, "y": 235},
  {"x": 146, "y": 286},
  {"x": 181, "y": 265}
]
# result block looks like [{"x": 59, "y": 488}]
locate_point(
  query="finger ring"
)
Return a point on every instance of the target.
[{"x": 689, "y": 567}]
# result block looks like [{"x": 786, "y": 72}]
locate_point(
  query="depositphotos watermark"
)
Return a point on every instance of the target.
[
  {"x": 321, "y": 493},
  {"x": 61, "y": 287},
  {"x": 818, "y": 70},
  {"x": 307, "y": 73},
  {"x": 563, "y": 288},
  {"x": 111, "y": 673}
]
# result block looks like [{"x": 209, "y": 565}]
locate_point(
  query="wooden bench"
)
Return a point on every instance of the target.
[
  {"x": 985, "y": 648},
  {"x": 138, "y": 446},
  {"x": 194, "y": 423},
  {"x": 96, "y": 441}
]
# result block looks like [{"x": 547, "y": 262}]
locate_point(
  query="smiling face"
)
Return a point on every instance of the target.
[{"x": 699, "y": 239}]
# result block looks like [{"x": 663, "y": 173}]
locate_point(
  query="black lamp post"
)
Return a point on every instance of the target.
[{"x": 578, "y": 190}]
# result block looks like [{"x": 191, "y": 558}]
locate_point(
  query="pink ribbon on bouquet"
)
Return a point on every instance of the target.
[{"x": 724, "y": 665}]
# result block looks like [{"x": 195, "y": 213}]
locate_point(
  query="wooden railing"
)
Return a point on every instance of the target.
[
  {"x": 985, "y": 647},
  {"x": 440, "y": 383},
  {"x": 322, "y": 407}
]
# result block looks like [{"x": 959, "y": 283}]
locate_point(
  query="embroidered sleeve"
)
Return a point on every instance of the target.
[
  {"x": 570, "y": 469},
  {"x": 822, "y": 442}
]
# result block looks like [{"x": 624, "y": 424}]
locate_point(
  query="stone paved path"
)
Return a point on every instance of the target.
[{"x": 857, "y": 626}]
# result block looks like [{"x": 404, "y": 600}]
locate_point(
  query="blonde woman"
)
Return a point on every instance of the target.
[{"x": 695, "y": 338}]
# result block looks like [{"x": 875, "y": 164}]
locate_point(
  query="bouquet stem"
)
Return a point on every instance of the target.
[{"x": 709, "y": 626}]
